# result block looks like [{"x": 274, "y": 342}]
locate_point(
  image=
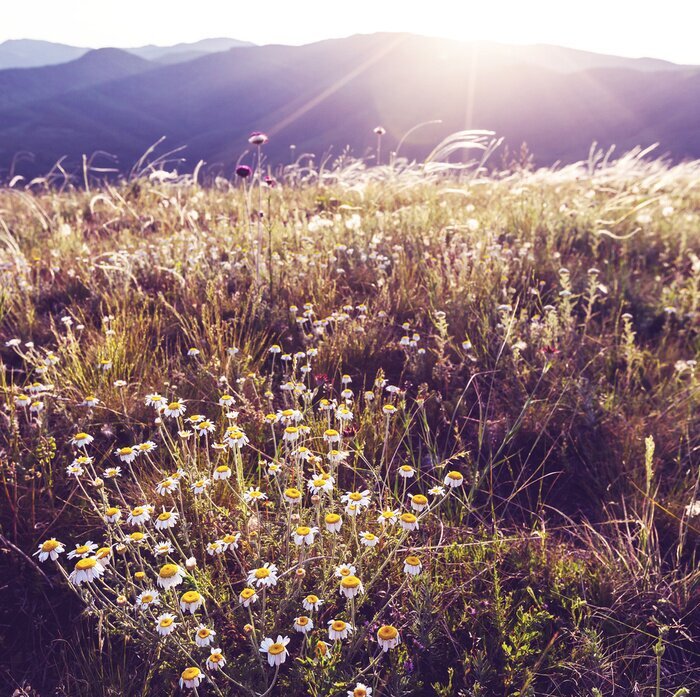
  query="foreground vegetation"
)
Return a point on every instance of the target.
[{"x": 460, "y": 411}]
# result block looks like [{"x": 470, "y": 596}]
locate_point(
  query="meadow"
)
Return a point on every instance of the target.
[{"x": 387, "y": 431}]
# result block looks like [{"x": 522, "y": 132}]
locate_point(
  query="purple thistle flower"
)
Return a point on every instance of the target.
[
  {"x": 257, "y": 138},
  {"x": 243, "y": 171}
]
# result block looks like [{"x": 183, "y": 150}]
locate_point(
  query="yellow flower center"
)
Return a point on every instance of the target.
[
  {"x": 387, "y": 632},
  {"x": 126, "y": 451},
  {"x": 420, "y": 500},
  {"x": 81, "y": 436},
  {"x": 137, "y": 511},
  {"x": 455, "y": 475},
  {"x": 147, "y": 598},
  {"x": 262, "y": 572},
  {"x": 303, "y": 530},
  {"x": 140, "y": 575},
  {"x": 203, "y": 633},
  {"x": 413, "y": 561},
  {"x": 331, "y": 433},
  {"x": 190, "y": 597},
  {"x": 355, "y": 496},
  {"x": 408, "y": 518},
  {"x": 332, "y": 518},
  {"x": 173, "y": 406},
  {"x": 82, "y": 549},
  {"x": 137, "y": 536},
  {"x": 247, "y": 593},
  {"x": 275, "y": 649},
  {"x": 112, "y": 511},
  {"x": 312, "y": 599},
  {"x": 165, "y": 515},
  {"x": 49, "y": 545},
  {"x": 359, "y": 692},
  {"x": 190, "y": 673},
  {"x": 166, "y": 622},
  {"x": 222, "y": 468},
  {"x": 102, "y": 552},
  {"x": 85, "y": 564},
  {"x": 338, "y": 626},
  {"x": 302, "y": 621},
  {"x": 229, "y": 539},
  {"x": 406, "y": 468},
  {"x": 350, "y": 582},
  {"x": 288, "y": 412},
  {"x": 369, "y": 536},
  {"x": 292, "y": 493},
  {"x": 168, "y": 571},
  {"x": 215, "y": 657}
]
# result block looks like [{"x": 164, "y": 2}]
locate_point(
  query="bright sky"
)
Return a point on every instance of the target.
[{"x": 665, "y": 29}]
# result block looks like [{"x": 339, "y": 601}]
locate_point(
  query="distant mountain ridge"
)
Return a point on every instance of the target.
[{"x": 327, "y": 96}]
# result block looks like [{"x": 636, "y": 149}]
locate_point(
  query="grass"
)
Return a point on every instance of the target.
[{"x": 535, "y": 332}]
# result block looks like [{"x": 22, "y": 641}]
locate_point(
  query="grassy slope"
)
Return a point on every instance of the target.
[{"x": 573, "y": 556}]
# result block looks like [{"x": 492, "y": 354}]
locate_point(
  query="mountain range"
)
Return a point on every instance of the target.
[{"x": 328, "y": 96}]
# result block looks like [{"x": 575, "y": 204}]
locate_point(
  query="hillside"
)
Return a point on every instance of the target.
[{"x": 297, "y": 95}]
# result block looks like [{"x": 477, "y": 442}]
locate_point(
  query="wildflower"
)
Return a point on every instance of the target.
[
  {"x": 311, "y": 602},
  {"x": 190, "y": 563},
  {"x": 74, "y": 470},
  {"x": 321, "y": 483},
  {"x": 691, "y": 510},
  {"x": 265, "y": 575},
  {"x": 291, "y": 433},
  {"x": 257, "y": 138},
  {"x": 226, "y": 400},
  {"x": 82, "y": 551},
  {"x": 166, "y": 520},
  {"x": 389, "y": 409},
  {"x": 292, "y": 495},
  {"x": 112, "y": 472},
  {"x": 191, "y": 677},
  {"x": 147, "y": 598},
  {"x": 243, "y": 171},
  {"x": 406, "y": 471},
  {"x": 175, "y": 409},
  {"x": 193, "y": 352},
  {"x": 216, "y": 660},
  {"x": 304, "y": 535},
  {"x": 338, "y": 630},
  {"x": 235, "y": 437},
  {"x": 230, "y": 541},
  {"x": 50, "y": 549},
  {"x": 165, "y": 624},
  {"x": 388, "y": 637},
  {"x": 412, "y": 565},
  {"x": 126, "y": 454},
  {"x": 330, "y": 435},
  {"x": 253, "y": 495},
  {"x": 336, "y": 456},
  {"x": 139, "y": 515},
  {"x": 167, "y": 486},
  {"x": 247, "y": 597},
  {"x": 203, "y": 636},
  {"x": 162, "y": 548},
  {"x": 221, "y": 473},
  {"x": 345, "y": 570},
  {"x": 418, "y": 502},
  {"x": 303, "y": 624},
  {"x": 350, "y": 586},
  {"x": 170, "y": 575},
  {"x": 81, "y": 440},
  {"x": 274, "y": 468},
  {"x": 361, "y": 690},
  {"x": 368, "y": 539},
  {"x": 191, "y": 601},
  {"x": 36, "y": 407},
  {"x": 155, "y": 400},
  {"x": 199, "y": 486},
  {"x": 359, "y": 498},
  {"x": 408, "y": 522},
  {"x": 453, "y": 479},
  {"x": 437, "y": 491},
  {"x": 112, "y": 515},
  {"x": 22, "y": 400},
  {"x": 204, "y": 427},
  {"x": 136, "y": 537},
  {"x": 276, "y": 650},
  {"x": 86, "y": 571},
  {"x": 321, "y": 649}
]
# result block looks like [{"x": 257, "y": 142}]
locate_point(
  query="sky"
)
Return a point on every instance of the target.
[{"x": 638, "y": 28}]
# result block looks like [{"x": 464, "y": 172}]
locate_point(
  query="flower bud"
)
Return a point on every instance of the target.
[{"x": 191, "y": 563}]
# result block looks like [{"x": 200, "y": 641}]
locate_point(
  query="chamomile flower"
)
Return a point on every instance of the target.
[
  {"x": 254, "y": 495},
  {"x": 191, "y": 677},
  {"x": 146, "y": 447},
  {"x": 165, "y": 624},
  {"x": 216, "y": 660},
  {"x": 126, "y": 454},
  {"x": 81, "y": 440},
  {"x": 170, "y": 575},
  {"x": 230, "y": 540},
  {"x": 291, "y": 433},
  {"x": 333, "y": 522},
  {"x": 412, "y": 565},
  {"x": 191, "y": 601},
  {"x": 312, "y": 603},
  {"x": 112, "y": 472},
  {"x": 339, "y": 630},
  {"x": 221, "y": 473},
  {"x": 86, "y": 571},
  {"x": 418, "y": 502},
  {"x": 216, "y": 547},
  {"x": 74, "y": 470},
  {"x": 163, "y": 548},
  {"x": 358, "y": 498},
  {"x": 50, "y": 549},
  {"x": 199, "y": 486},
  {"x": 303, "y": 624},
  {"x": 304, "y": 535},
  {"x": 350, "y": 586},
  {"x": 247, "y": 597},
  {"x": 330, "y": 435},
  {"x": 276, "y": 650},
  {"x": 174, "y": 409},
  {"x": 389, "y": 410},
  {"x": 361, "y": 690},
  {"x": 337, "y": 456},
  {"x": 265, "y": 575},
  {"x": 437, "y": 491},
  {"x": 274, "y": 468},
  {"x": 203, "y": 636},
  {"x": 22, "y": 400},
  {"x": 388, "y": 637},
  {"x": 368, "y": 539},
  {"x": 321, "y": 483},
  {"x": 193, "y": 352},
  {"x": 148, "y": 598},
  {"x": 408, "y": 522},
  {"x": 82, "y": 551},
  {"x": 204, "y": 427},
  {"x": 156, "y": 400},
  {"x": 406, "y": 471},
  {"x": 167, "y": 486},
  {"x": 139, "y": 515},
  {"x": 226, "y": 400},
  {"x": 112, "y": 514},
  {"x": 166, "y": 520},
  {"x": 292, "y": 495},
  {"x": 453, "y": 479},
  {"x": 345, "y": 570}
]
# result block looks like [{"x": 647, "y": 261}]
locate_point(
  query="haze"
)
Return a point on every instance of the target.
[{"x": 622, "y": 27}]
